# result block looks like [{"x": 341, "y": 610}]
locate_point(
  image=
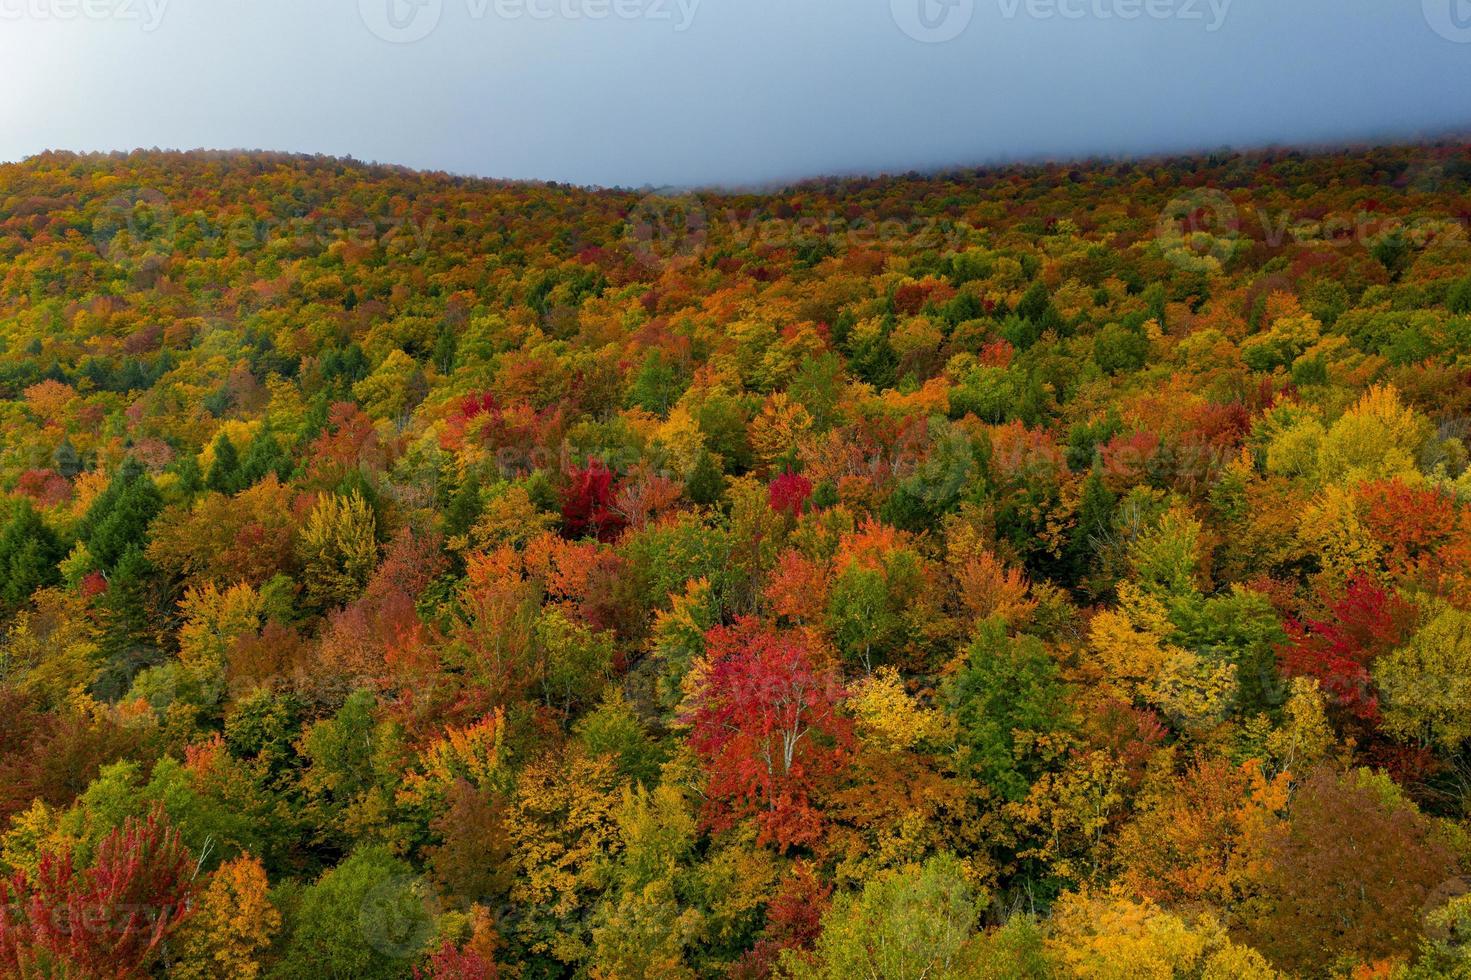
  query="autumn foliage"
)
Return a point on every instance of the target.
[{"x": 1034, "y": 571}]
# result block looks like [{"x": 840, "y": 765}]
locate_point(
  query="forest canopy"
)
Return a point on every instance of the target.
[{"x": 1059, "y": 570}]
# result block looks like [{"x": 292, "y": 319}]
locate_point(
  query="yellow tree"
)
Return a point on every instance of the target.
[
  {"x": 232, "y": 925},
  {"x": 338, "y": 548}
]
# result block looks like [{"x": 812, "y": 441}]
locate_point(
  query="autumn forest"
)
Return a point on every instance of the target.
[{"x": 1039, "y": 571}]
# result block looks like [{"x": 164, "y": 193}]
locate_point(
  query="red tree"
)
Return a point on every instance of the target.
[
  {"x": 588, "y": 505},
  {"x": 1365, "y": 622},
  {"x": 793, "y": 921},
  {"x": 108, "y": 921},
  {"x": 765, "y": 721},
  {"x": 788, "y": 491}
]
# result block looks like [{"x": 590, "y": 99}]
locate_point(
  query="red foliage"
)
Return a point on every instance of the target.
[
  {"x": 788, "y": 491},
  {"x": 46, "y": 487},
  {"x": 1365, "y": 622},
  {"x": 1126, "y": 458},
  {"x": 350, "y": 442},
  {"x": 588, "y": 504},
  {"x": 108, "y": 921},
  {"x": 93, "y": 584},
  {"x": 766, "y": 723},
  {"x": 997, "y": 353},
  {"x": 451, "y": 962},
  {"x": 1411, "y": 523},
  {"x": 793, "y": 921},
  {"x": 53, "y": 756}
]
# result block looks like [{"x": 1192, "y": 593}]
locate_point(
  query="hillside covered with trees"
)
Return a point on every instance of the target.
[{"x": 1040, "y": 571}]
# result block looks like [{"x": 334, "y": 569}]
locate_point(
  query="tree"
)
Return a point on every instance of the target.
[
  {"x": 118, "y": 518},
  {"x": 588, "y": 504},
  {"x": 788, "y": 491},
  {"x": 365, "y": 918},
  {"x": 1113, "y": 936},
  {"x": 1347, "y": 873},
  {"x": 1340, "y": 650},
  {"x": 1008, "y": 700},
  {"x": 909, "y": 924},
  {"x": 764, "y": 718},
  {"x": 338, "y": 548},
  {"x": 224, "y": 474},
  {"x": 232, "y": 924},
  {"x": 265, "y": 457},
  {"x": 563, "y": 828},
  {"x": 1426, "y": 683},
  {"x": 111, "y": 919},
  {"x": 29, "y": 553}
]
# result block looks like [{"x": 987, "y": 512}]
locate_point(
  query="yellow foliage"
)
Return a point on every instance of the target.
[
  {"x": 779, "y": 427},
  {"x": 1379, "y": 437},
  {"x": 473, "y": 753},
  {"x": 214, "y": 620},
  {"x": 1110, "y": 937},
  {"x": 51, "y": 649},
  {"x": 889, "y": 717},
  {"x": 338, "y": 547},
  {"x": 682, "y": 438},
  {"x": 1193, "y": 692},
  {"x": 1330, "y": 529},
  {"x": 563, "y": 826},
  {"x": 232, "y": 925},
  {"x": 510, "y": 518},
  {"x": 1305, "y": 735},
  {"x": 1127, "y": 643}
]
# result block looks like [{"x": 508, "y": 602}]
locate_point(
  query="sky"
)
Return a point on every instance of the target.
[{"x": 660, "y": 93}]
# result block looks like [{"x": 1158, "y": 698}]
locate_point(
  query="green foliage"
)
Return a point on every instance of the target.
[
  {"x": 1007, "y": 699},
  {"x": 906, "y": 925},
  {"x": 366, "y": 918},
  {"x": 29, "y": 554},
  {"x": 118, "y": 519}
]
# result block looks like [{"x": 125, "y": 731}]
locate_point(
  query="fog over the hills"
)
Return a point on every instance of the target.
[{"x": 638, "y": 92}]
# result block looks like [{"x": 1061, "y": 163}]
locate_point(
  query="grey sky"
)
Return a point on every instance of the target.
[{"x": 640, "y": 92}]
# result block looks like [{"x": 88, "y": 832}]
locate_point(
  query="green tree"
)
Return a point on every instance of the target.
[
  {"x": 224, "y": 472},
  {"x": 909, "y": 924},
  {"x": 365, "y": 919},
  {"x": 1005, "y": 697},
  {"x": 118, "y": 519},
  {"x": 29, "y": 553},
  {"x": 264, "y": 456}
]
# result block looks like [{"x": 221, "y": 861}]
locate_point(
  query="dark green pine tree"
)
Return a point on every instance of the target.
[
  {"x": 66, "y": 460},
  {"x": 191, "y": 481},
  {"x": 1095, "y": 517},
  {"x": 129, "y": 640},
  {"x": 118, "y": 519},
  {"x": 706, "y": 483},
  {"x": 265, "y": 456},
  {"x": 464, "y": 507},
  {"x": 224, "y": 473},
  {"x": 29, "y": 552}
]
